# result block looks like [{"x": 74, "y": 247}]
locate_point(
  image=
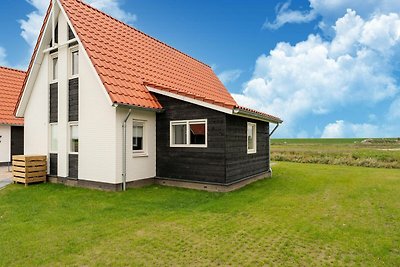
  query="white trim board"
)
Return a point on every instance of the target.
[{"x": 190, "y": 100}]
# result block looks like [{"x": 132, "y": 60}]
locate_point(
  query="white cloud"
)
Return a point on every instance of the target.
[
  {"x": 330, "y": 10},
  {"x": 3, "y": 57},
  {"x": 285, "y": 15},
  {"x": 318, "y": 76},
  {"x": 394, "y": 111},
  {"x": 31, "y": 25},
  {"x": 113, "y": 8},
  {"x": 229, "y": 76},
  {"x": 342, "y": 129}
]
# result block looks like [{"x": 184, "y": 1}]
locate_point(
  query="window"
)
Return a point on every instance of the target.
[
  {"x": 190, "y": 133},
  {"x": 138, "y": 137},
  {"x": 53, "y": 138},
  {"x": 251, "y": 138},
  {"x": 54, "y": 71},
  {"x": 74, "y": 138},
  {"x": 75, "y": 63}
]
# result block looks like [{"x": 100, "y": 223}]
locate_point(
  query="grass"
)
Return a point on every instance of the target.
[
  {"x": 379, "y": 153},
  {"x": 307, "y": 214}
]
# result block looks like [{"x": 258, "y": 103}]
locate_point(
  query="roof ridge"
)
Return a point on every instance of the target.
[
  {"x": 145, "y": 34},
  {"x": 12, "y": 69}
]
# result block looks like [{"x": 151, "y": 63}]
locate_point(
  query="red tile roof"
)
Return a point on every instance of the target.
[
  {"x": 127, "y": 60},
  {"x": 10, "y": 86}
]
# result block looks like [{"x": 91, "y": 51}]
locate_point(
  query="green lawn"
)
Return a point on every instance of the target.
[
  {"x": 307, "y": 214},
  {"x": 381, "y": 153}
]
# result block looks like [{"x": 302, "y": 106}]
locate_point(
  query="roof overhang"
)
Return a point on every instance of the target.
[
  {"x": 115, "y": 105},
  {"x": 242, "y": 112},
  {"x": 190, "y": 100}
]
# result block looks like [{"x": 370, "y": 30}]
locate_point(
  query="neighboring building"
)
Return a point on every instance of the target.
[
  {"x": 11, "y": 128},
  {"x": 108, "y": 103}
]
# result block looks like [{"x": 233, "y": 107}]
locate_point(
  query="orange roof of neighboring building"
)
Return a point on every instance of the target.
[
  {"x": 127, "y": 60},
  {"x": 10, "y": 86}
]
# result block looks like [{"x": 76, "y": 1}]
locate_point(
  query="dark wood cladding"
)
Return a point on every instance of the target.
[
  {"x": 239, "y": 164},
  {"x": 193, "y": 164},
  {"x": 53, "y": 162},
  {"x": 53, "y": 113},
  {"x": 17, "y": 140},
  {"x": 224, "y": 161},
  {"x": 73, "y": 100},
  {"x": 73, "y": 165}
]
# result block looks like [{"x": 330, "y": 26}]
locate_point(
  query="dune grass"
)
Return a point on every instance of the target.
[
  {"x": 379, "y": 153},
  {"x": 307, "y": 214}
]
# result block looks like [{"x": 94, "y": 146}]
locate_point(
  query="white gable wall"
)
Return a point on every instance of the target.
[
  {"x": 138, "y": 167},
  {"x": 37, "y": 114},
  {"x": 97, "y": 134},
  {"x": 5, "y": 143}
]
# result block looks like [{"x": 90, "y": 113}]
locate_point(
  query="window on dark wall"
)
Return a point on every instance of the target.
[
  {"x": 251, "y": 138},
  {"x": 188, "y": 133},
  {"x": 198, "y": 133}
]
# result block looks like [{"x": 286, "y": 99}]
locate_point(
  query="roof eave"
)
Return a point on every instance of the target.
[{"x": 255, "y": 116}]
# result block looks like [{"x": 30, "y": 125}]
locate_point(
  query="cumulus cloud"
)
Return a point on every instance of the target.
[
  {"x": 342, "y": 129},
  {"x": 113, "y": 8},
  {"x": 318, "y": 76},
  {"x": 31, "y": 25},
  {"x": 286, "y": 15},
  {"x": 229, "y": 76},
  {"x": 394, "y": 111},
  {"x": 330, "y": 10},
  {"x": 3, "y": 57}
]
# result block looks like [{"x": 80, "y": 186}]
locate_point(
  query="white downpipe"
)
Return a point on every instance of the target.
[{"x": 124, "y": 150}]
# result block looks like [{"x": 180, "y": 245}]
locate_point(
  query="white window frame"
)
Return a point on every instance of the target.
[
  {"x": 187, "y": 123},
  {"x": 72, "y": 50},
  {"x": 52, "y": 57},
  {"x": 51, "y": 136},
  {"x": 143, "y": 152},
  {"x": 254, "y": 150},
  {"x": 74, "y": 123}
]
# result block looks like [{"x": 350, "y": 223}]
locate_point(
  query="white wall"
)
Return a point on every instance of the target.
[
  {"x": 100, "y": 124},
  {"x": 97, "y": 135},
  {"x": 5, "y": 143},
  {"x": 137, "y": 167},
  {"x": 37, "y": 114}
]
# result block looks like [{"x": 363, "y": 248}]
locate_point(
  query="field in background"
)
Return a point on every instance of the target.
[
  {"x": 306, "y": 215},
  {"x": 380, "y": 153}
]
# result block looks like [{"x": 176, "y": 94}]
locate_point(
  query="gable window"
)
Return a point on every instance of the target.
[
  {"x": 74, "y": 62},
  {"x": 188, "y": 133},
  {"x": 73, "y": 138},
  {"x": 138, "y": 137},
  {"x": 54, "y": 69},
  {"x": 251, "y": 138},
  {"x": 53, "y": 138}
]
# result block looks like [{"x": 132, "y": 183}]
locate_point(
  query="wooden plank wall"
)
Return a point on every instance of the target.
[
  {"x": 53, "y": 105},
  {"x": 239, "y": 164},
  {"x": 73, "y": 100},
  {"x": 193, "y": 164}
]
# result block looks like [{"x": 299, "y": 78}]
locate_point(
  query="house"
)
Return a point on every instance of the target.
[
  {"x": 11, "y": 128},
  {"x": 113, "y": 107}
]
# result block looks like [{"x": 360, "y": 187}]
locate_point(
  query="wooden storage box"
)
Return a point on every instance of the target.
[{"x": 29, "y": 169}]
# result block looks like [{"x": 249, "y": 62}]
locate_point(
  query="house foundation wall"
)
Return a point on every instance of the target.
[{"x": 210, "y": 187}]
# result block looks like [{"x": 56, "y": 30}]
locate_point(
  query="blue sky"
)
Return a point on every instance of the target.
[{"x": 329, "y": 68}]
